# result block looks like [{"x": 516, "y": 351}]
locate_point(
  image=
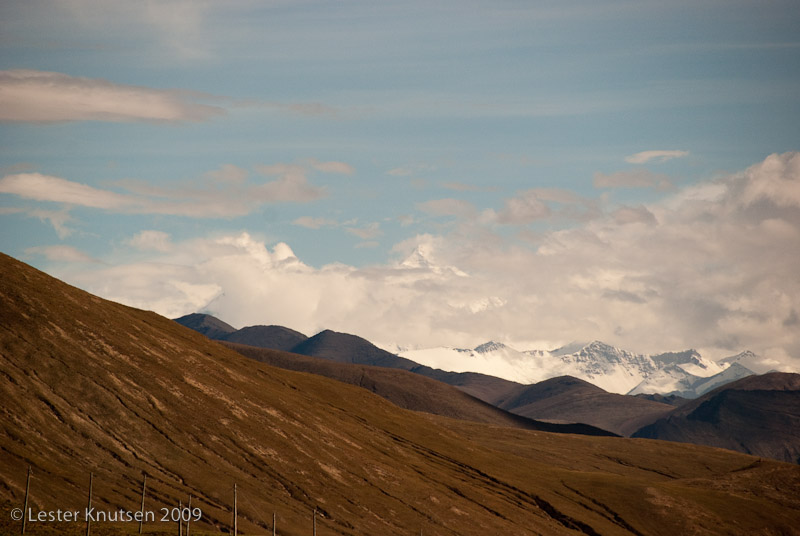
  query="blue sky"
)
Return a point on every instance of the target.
[{"x": 440, "y": 174}]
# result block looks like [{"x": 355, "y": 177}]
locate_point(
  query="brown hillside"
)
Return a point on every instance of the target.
[
  {"x": 408, "y": 390},
  {"x": 574, "y": 400},
  {"x": 89, "y": 385},
  {"x": 758, "y": 415}
]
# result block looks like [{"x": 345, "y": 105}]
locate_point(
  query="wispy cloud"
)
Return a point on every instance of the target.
[
  {"x": 448, "y": 207},
  {"x": 640, "y": 214},
  {"x": 62, "y": 254},
  {"x": 236, "y": 198},
  {"x": 41, "y": 97},
  {"x": 719, "y": 270},
  {"x": 366, "y": 232},
  {"x": 151, "y": 241},
  {"x": 634, "y": 178},
  {"x": 341, "y": 168},
  {"x": 41, "y": 187},
  {"x": 310, "y": 222},
  {"x": 463, "y": 187},
  {"x": 659, "y": 156}
]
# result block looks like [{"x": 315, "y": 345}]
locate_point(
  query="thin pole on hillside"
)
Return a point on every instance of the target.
[
  {"x": 273, "y": 523},
  {"x": 141, "y": 511},
  {"x": 180, "y": 520},
  {"x": 235, "y": 521},
  {"x": 189, "y": 517},
  {"x": 314, "y": 517},
  {"x": 89, "y": 505},
  {"x": 25, "y": 504}
]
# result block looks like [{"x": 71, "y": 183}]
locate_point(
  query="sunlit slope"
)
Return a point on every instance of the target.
[
  {"x": 408, "y": 390},
  {"x": 89, "y": 385}
]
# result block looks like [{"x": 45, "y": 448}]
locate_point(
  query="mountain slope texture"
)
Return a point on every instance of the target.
[
  {"x": 93, "y": 386},
  {"x": 758, "y": 415},
  {"x": 409, "y": 391},
  {"x": 570, "y": 399}
]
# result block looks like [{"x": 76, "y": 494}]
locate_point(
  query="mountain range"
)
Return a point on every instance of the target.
[
  {"x": 758, "y": 415},
  {"x": 686, "y": 374},
  {"x": 561, "y": 400},
  {"x": 94, "y": 387}
]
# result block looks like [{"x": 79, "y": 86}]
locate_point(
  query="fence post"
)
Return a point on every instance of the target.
[
  {"x": 314, "y": 517},
  {"x": 89, "y": 505},
  {"x": 25, "y": 505},
  {"x": 273, "y": 523},
  {"x": 189, "y": 517},
  {"x": 235, "y": 520},
  {"x": 141, "y": 511}
]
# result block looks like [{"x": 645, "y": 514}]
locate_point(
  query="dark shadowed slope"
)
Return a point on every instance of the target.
[
  {"x": 275, "y": 337},
  {"x": 346, "y": 348},
  {"x": 208, "y": 325},
  {"x": 570, "y": 399},
  {"x": 757, "y": 415},
  {"x": 409, "y": 391},
  {"x": 487, "y": 388},
  {"x": 89, "y": 385}
]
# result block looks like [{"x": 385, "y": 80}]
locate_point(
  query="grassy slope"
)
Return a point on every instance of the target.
[
  {"x": 575, "y": 400},
  {"x": 408, "y": 390},
  {"x": 92, "y": 385}
]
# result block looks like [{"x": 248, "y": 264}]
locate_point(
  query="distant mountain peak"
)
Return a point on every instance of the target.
[
  {"x": 421, "y": 259},
  {"x": 210, "y": 326},
  {"x": 490, "y": 346}
]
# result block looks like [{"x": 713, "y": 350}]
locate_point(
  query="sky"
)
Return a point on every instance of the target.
[{"x": 533, "y": 173}]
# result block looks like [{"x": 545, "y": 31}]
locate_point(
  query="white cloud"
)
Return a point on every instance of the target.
[
  {"x": 448, "y": 207},
  {"x": 640, "y": 214},
  {"x": 47, "y": 188},
  {"x": 57, "y": 218},
  {"x": 400, "y": 172},
  {"x": 177, "y": 28},
  {"x": 151, "y": 241},
  {"x": 527, "y": 207},
  {"x": 341, "y": 168},
  {"x": 229, "y": 174},
  {"x": 290, "y": 187},
  {"x": 196, "y": 201},
  {"x": 635, "y": 178},
  {"x": 711, "y": 267},
  {"x": 40, "y": 96},
  {"x": 659, "y": 156},
  {"x": 366, "y": 232},
  {"x": 315, "y": 223},
  {"x": 776, "y": 179},
  {"x": 11, "y": 210},
  {"x": 462, "y": 187},
  {"x": 62, "y": 254}
]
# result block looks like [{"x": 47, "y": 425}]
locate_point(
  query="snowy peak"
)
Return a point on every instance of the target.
[
  {"x": 742, "y": 357},
  {"x": 490, "y": 346},
  {"x": 422, "y": 259},
  {"x": 677, "y": 358},
  {"x": 686, "y": 373}
]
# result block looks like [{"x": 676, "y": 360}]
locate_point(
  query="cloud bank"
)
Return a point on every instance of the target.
[
  {"x": 659, "y": 156},
  {"x": 41, "y": 97},
  {"x": 226, "y": 194},
  {"x": 713, "y": 266}
]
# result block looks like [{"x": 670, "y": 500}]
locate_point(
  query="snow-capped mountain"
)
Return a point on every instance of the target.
[
  {"x": 689, "y": 375},
  {"x": 613, "y": 369},
  {"x": 494, "y": 359}
]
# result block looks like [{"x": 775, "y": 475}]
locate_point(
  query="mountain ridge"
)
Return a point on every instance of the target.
[
  {"x": 757, "y": 415},
  {"x": 90, "y": 385}
]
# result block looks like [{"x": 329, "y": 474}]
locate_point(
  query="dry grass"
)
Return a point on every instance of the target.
[{"x": 88, "y": 385}]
